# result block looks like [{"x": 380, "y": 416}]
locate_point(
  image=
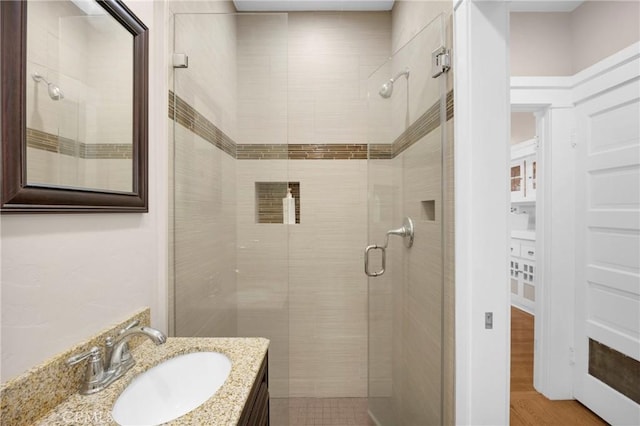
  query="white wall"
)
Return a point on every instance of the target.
[
  {"x": 66, "y": 277},
  {"x": 564, "y": 43},
  {"x": 602, "y": 28},
  {"x": 540, "y": 44},
  {"x": 523, "y": 126}
]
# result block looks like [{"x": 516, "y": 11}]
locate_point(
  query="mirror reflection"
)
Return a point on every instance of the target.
[{"x": 79, "y": 104}]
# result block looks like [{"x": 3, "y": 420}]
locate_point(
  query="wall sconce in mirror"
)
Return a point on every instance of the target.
[{"x": 74, "y": 89}]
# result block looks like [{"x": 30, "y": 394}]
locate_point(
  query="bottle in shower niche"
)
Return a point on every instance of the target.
[{"x": 289, "y": 208}]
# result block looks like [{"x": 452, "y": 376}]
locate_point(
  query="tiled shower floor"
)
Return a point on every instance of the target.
[{"x": 319, "y": 411}]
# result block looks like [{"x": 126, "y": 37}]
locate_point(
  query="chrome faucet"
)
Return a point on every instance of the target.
[
  {"x": 118, "y": 361},
  {"x": 117, "y": 358}
]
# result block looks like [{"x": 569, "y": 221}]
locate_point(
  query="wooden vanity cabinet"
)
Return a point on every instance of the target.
[{"x": 256, "y": 410}]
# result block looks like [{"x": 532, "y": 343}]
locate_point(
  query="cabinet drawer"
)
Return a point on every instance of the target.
[
  {"x": 528, "y": 252},
  {"x": 515, "y": 248}
]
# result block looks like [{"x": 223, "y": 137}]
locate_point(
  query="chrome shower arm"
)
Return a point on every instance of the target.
[
  {"x": 38, "y": 78},
  {"x": 404, "y": 72},
  {"x": 54, "y": 91}
]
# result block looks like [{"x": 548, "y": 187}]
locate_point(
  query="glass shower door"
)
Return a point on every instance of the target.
[
  {"x": 230, "y": 250},
  {"x": 407, "y": 113}
]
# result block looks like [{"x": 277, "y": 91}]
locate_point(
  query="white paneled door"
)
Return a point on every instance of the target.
[{"x": 608, "y": 242}]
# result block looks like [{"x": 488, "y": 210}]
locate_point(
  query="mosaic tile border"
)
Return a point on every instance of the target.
[
  {"x": 381, "y": 151},
  {"x": 428, "y": 122},
  {"x": 187, "y": 116},
  {"x": 302, "y": 152},
  {"x": 262, "y": 152},
  {"x": 38, "y": 139}
]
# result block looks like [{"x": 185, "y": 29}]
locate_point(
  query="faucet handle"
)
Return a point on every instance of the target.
[
  {"x": 95, "y": 369},
  {"x": 94, "y": 352},
  {"x": 129, "y": 326},
  {"x": 125, "y": 349}
]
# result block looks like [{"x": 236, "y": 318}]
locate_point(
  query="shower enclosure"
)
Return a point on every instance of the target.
[
  {"x": 408, "y": 168},
  {"x": 230, "y": 262},
  {"x": 271, "y": 102}
]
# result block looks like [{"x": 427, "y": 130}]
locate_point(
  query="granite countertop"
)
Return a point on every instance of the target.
[{"x": 223, "y": 408}]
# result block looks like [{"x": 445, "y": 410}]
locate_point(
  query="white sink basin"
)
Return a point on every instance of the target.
[{"x": 171, "y": 389}]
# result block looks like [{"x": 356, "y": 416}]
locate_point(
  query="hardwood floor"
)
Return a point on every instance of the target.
[{"x": 529, "y": 407}]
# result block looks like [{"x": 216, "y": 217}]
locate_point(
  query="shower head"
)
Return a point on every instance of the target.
[
  {"x": 387, "y": 88},
  {"x": 54, "y": 91}
]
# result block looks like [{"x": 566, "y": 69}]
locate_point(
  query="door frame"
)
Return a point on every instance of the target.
[
  {"x": 549, "y": 98},
  {"x": 483, "y": 95},
  {"x": 482, "y": 199},
  {"x": 481, "y": 30}
]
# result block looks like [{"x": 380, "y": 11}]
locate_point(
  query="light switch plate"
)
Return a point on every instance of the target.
[{"x": 488, "y": 320}]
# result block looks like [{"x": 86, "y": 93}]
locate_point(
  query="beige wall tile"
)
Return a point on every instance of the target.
[
  {"x": 329, "y": 57},
  {"x": 418, "y": 286},
  {"x": 302, "y": 285},
  {"x": 262, "y": 78},
  {"x": 415, "y": 275},
  {"x": 263, "y": 271},
  {"x": 415, "y": 95},
  {"x": 205, "y": 205},
  {"x": 210, "y": 83},
  {"x": 201, "y": 6},
  {"x": 321, "y": 260},
  {"x": 204, "y": 177},
  {"x": 410, "y": 16}
]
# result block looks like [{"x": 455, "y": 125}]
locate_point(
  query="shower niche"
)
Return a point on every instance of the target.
[
  {"x": 428, "y": 210},
  {"x": 268, "y": 202}
]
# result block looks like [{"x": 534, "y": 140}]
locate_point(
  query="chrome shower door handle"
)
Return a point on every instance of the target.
[{"x": 366, "y": 260}]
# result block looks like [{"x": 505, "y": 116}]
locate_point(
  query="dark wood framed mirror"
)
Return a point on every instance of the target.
[{"x": 74, "y": 111}]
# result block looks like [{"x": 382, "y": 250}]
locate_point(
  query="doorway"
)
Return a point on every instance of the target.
[
  {"x": 482, "y": 30},
  {"x": 581, "y": 263}
]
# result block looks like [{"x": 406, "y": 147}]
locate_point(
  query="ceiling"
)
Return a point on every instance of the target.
[
  {"x": 544, "y": 6},
  {"x": 360, "y": 5},
  {"x": 310, "y": 5}
]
